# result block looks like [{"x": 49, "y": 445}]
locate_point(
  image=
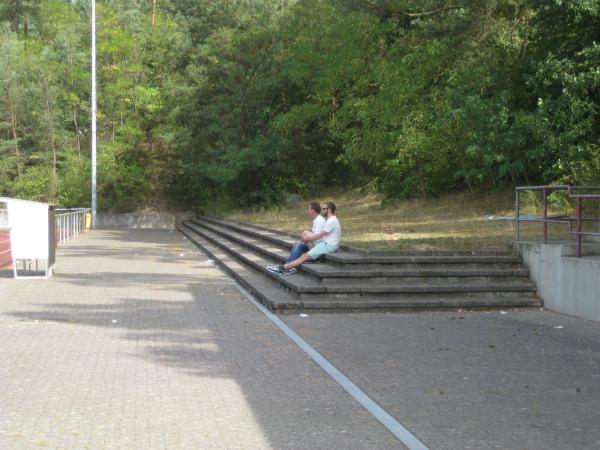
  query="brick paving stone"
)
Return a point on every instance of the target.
[
  {"x": 513, "y": 379},
  {"x": 139, "y": 342}
]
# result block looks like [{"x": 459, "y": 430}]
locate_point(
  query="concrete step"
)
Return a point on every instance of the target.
[
  {"x": 279, "y": 239},
  {"x": 414, "y": 293},
  {"x": 421, "y": 280},
  {"x": 269, "y": 234},
  {"x": 409, "y": 304},
  {"x": 274, "y": 251},
  {"x": 267, "y": 289},
  {"x": 256, "y": 260},
  {"x": 507, "y": 289},
  {"x": 336, "y": 276},
  {"x": 352, "y": 255},
  {"x": 347, "y": 258},
  {"x": 365, "y": 260},
  {"x": 304, "y": 288}
]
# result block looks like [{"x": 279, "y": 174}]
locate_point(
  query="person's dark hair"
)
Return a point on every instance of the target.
[
  {"x": 315, "y": 206},
  {"x": 331, "y": 206}
]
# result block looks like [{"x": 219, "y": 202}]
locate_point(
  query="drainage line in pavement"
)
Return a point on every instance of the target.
[{"x": 395, "y": 427}]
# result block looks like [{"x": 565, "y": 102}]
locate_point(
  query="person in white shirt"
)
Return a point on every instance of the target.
[
  {"x": 326, "y": 241},
  {"x": 318, "y": 223}
]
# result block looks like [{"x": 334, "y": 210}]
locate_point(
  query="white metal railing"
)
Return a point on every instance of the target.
[{"x": 69, "y": 223}]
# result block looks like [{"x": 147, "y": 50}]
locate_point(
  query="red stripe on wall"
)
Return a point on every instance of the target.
[{"x": 5, "y": 255}]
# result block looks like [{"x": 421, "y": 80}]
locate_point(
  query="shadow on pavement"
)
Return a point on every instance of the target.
[{"x": 196, "y": 321}]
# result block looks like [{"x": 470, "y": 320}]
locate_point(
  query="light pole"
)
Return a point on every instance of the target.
[{"x": 94, "y": 198}]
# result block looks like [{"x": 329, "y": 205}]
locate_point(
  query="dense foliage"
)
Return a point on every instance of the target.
[{"x": 215, "y": 103}]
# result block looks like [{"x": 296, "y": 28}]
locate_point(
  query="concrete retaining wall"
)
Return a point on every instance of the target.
[
  {"x": 567, "y": 284},
  {"x": 160, "y": 220}
]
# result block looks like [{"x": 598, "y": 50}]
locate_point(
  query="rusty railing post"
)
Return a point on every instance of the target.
[
  {"x": 545, "y": 191},
  {"x": 578, "y": 227},
  {"x": 517, "y": 221}
]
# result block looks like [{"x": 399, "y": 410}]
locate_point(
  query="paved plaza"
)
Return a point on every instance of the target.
[{"x": 140, "y": 342}]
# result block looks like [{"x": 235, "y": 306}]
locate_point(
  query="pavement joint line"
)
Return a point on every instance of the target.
[{"x": 395, "y": 427}]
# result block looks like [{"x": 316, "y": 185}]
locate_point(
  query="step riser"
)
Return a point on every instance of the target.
[
  {"x": 415, "y": 305},
  {"x": 399, "y": 281},
  {"x": 425, "y": 266},
  {"x": 399, "y": 296}
]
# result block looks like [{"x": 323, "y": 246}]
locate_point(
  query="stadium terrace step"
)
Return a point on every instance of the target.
[
  {"x": 441, "y": 261},
  {"x": 379, "y": 281},
  {"x": 335, "y": 275},
  {"x": 268, "y": 234},
  {"x": 360, "y": 259}
]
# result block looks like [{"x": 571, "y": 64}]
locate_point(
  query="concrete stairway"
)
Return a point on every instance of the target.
[{"x": 351, "y": 279}]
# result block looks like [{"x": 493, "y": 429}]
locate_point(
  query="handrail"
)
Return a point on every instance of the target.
[
  {"x": 579, "y": 219},
  {"x": 69, "y": 223}
]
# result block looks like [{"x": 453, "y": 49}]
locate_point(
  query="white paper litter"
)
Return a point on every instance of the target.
[
  {"x": 303, "y": 315},
  {"x": 114, "y": 321},
  {"x": 558, "y": 327}
]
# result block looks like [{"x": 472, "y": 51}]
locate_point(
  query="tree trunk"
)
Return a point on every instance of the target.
[
  {"x": 77, "y": 131},
  {"x": 154, "y": 4},
  {"x": 51, "y": 122},
  {"x": 13, "y": 125}
]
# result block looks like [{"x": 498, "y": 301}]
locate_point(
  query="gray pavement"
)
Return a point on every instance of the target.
[
  {"x": 139, "y": 342},
  {"x": 513, "y": 379}
]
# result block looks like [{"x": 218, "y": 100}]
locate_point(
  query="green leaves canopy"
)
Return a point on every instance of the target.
[{"x": 226, "y": 103}]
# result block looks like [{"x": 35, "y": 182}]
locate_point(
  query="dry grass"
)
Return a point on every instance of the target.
[{"x": 452, "y": 222}]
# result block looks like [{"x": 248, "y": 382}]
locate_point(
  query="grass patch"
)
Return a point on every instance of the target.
[{"x": 458, "y": 221}]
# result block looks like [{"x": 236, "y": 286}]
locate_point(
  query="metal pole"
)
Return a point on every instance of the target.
[
  {"x": 545, "y": 216},
  {"x": 578, "y": 212},
  {"x": 518, "y": 222},
  {"x": 94, "y": 198}
]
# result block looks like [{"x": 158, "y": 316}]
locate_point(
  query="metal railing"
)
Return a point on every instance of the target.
[
  {"x": 69, "y": 223},
  {"x": 566, "y": 219}
]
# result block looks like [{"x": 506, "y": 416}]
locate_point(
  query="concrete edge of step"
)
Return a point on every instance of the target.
[{"x": 354, "y": 259}]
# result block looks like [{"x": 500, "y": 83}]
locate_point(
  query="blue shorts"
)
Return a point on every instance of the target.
[{"x": 322, "y": 248}]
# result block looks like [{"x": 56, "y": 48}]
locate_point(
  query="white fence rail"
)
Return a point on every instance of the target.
[{"x": 69, "y": 223}]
